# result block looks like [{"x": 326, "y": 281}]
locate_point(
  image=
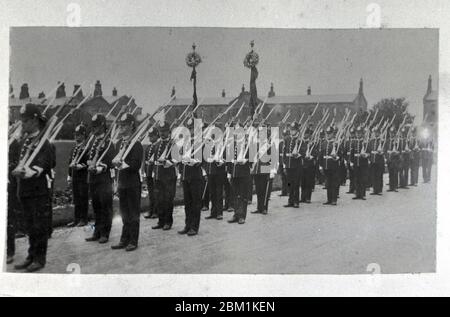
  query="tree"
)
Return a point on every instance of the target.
[{"x": 388, "y": 107}]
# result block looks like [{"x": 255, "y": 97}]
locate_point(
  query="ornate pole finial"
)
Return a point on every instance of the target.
[
  {"x": 193, "y": 46},
  {"x": 252, "y": 43}
]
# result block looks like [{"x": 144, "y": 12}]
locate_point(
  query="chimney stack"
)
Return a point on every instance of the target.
[
  {"x": 173, "y": 92},
  {"x": 24, "y": 94},
  {"x": 80, "y": 93},
  {"x": 271, "y": 91},
  {"x": 243, "y": 88},
  {"x": 308, "y": 91},
  {"x": 114, "y": 92},
  {"x": 98, "y": 89},
  {"x": 61, "y": 91},
  {"x": 41, "y": 95},
  {"x": 223, "y": 93}
]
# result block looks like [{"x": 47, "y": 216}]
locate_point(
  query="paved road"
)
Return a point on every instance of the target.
[{"x": 396, "y": 231}]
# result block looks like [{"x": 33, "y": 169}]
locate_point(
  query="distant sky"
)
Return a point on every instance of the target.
[{"x": 146, "y": 62}]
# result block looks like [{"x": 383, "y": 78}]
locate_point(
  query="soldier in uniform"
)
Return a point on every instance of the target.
[
  {"x": 239, "y": 174},
  {"x": 320, "y": 176},
  {"x": 393, "y": 160},
  {"x": 165, "y": 178},
  {"x": 33, "y": 190},
  {"x": 128, "y": 162},
  {"x": 415, "y": 157},
  {"x": 404, "y": 158},
  {"x": 13, "y": 203},
  {"x": 100, "y": 180},
  {"x": 153, "y": 136},
  {"x": 217, "y": 177},
  {"x": 360, "y": 161},
  {"x": 77, "y": 178},
  {"x": 330, "y": 166},
  {"x": 376, "y": 162},
  {"x": 51, "y": 183},
  {"x": 284, "y": 186},
  {"x": 291, "y": 161},
  {"x": 192, "y": 180},
  {"x": 308, "y": 165},
  {"x": 230, "y": 197},
  {"x": 263, "y": 175},
  {"x": 348, "y": 149}
]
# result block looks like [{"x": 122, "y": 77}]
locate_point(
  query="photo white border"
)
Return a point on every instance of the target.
[{"x": 236, "y": 13}]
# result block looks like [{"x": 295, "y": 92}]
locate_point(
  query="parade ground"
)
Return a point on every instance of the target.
[{"x": 395, "y": 232}]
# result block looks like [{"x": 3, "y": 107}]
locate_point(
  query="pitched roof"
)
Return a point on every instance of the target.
[
  {"x": 40, "y": 101},
  {"x": 307, "y": 99},
  {"x": 300, "y": 99},
  {"x": 432, "y": 96},
  {"x": 208, "y": 101}
]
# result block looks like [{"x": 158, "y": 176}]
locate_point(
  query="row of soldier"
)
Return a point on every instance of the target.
[{"x": 111, "y": 159}]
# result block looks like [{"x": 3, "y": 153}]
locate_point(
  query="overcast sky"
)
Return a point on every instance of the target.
[{"x": 147, "y": 62}]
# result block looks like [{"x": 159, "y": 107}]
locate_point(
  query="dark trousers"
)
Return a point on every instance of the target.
[
  {"x": 229, "y": 194},
  {"x": 240, "y": 187},
  {"x": 50, "y": 211},
  {"x": 426, "y": 170},
  {"x": 377, "y": 171},
  {"x": 361, "y": 179},
  {"x": 11, "y": 230},
  {"x": 293, "y": 180},
  {"x": 404, "y": 173},
  {"x": 192, "y": 192},
  {"x": 102, "y": 199},
  {"x": 36, "y": 212},
  {"x": 332, "y": 184},
  {"x": 263, "y": 187},
  {"x": 284, "y": 186},
  {"x": 216, "y": 185},
  {"x": 414, "y": 173},
  {"x": 80, "y": 190},
  {"x": 307, "y": 183},
  {"x": 351, "y": 175},
  {"x": 393, "y": 176},
  {"x": 130, "y": 210},
  {"x": 165, "y": 194},
  {"x": 151, "y": 197},
  {"x": 342, "y": 174},
  {"x": 205, "y": 198}
]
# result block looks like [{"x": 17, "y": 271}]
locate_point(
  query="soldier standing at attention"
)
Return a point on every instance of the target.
[
  {"x": 415, "y": 157},
  {"x": 239, "y": 173},
  {"x": 165, "y": 178},
  {"x": 330, "y": 165},
  {"x": 348, "y": 151},
  {"x": 33, "y": 191},
  {"x": 404, "y": 158},
  {"x": 217, "y": 176},
  {"x": 13, "y": 202},
  {"x": 100, "y": 179},
  {"x": 153, "y": 136},
  {"x": 284, "y": 187},
  {"x": 263, "y": 175},
  {"x": 360, "y": 161},
  {"x": 291, "y": 161},
  {"x": 376, "y": 162},
  {"x": 308, "y": 157},
  {"x": 77, "y": 178},
  {"x": 128, "y": 162},
  {"x": 393, "y": 160},
  {"x": 192, "y": 180}
]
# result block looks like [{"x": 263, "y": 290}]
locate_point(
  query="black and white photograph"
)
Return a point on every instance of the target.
[{"x": 154, "y": 150}]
